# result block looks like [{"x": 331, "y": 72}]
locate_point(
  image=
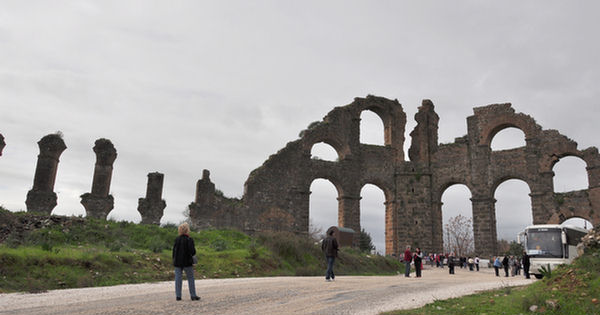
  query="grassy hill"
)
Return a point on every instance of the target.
[
  {"x": 38, "y": 253},
  {"x": 569, "y": 290}
]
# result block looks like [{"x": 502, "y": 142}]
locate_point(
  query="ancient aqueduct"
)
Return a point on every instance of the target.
[{"x": 276, "y": 195}]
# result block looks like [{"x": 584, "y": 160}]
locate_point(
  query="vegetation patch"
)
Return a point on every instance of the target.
[
  {"x": 569, "y": 290},
  {"x": 39, "y": 253}
]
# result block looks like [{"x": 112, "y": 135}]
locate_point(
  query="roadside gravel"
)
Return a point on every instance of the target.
[{"x": 274, "y": 295}]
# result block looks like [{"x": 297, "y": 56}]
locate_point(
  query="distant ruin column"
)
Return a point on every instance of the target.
[
  {"x": 2, "y": 143},
  {"x": 203, "y": 207},
  {"x": 98, "y": 203},
  {"x": 42, "y": 198},
  {"x": 151, "y": 208},
  {"x": 349, "y": 214},
  {"x": 484, "y": 226},
  {"x": 391, "y": 228}
]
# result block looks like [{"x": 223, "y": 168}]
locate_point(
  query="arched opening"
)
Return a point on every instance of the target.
[
  {"x": 508, "y": 138},
  {"x": 372, "y": 215},
  {"x": 372, "y": 130},
  {"x": 323, "y": 207},
  {"x": 457, "y": 220},
  {"x": 579, "y": 222},
  {"x": 570, "y": 174},
  {"x": 513, "y": 211},
  {"x": 323, "y": 151}
]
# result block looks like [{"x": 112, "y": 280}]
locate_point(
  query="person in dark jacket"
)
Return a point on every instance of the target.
[
  {"x": 451, "y": 263},
  {"x": 505, "y": 265},
  {"x": 330, "y": 248},
  {"x": 418, "y": 258},
  {"x": 183, "y": 252},
  {"x": 526, "y": 264}
]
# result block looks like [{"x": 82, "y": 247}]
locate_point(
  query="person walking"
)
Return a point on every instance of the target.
[
  {"x": 497, "y": 265},
  {"x": 526, "y": 264},
  {"x": 407, "y": 260},
  {"x": 418, "y": 259},
  {"x": 477, "y": 262},
  {"x": 451, "y": 263},
  {"x": 471, "y": 263},
  {"x": 512, "y": 262},
  {"x": 183, "y": 252},
  {"x": 330, "y": 248},
  {"x": 505, "y": 265}
]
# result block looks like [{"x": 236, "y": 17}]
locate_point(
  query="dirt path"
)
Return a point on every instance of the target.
[{"x": 277, "y": 295}]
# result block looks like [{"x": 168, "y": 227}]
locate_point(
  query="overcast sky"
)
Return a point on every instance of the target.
[{"x": 182, "y": 86}]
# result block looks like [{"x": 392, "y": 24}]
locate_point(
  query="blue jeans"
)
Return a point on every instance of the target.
[
  {"x": 189, "y": 272},
  {"x": 407, "y": 270},
  {"x": 329, "y": 273}
]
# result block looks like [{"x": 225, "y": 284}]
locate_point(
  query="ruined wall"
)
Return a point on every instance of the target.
[
  {"x": 276, "y": 195},
  {"x": 2, "y": 143}
]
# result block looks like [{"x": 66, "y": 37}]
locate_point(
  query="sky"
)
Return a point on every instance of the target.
[{"x": 183, "y": 86}]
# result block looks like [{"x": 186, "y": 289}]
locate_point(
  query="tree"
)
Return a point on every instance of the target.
[
  {"x": 458, "y": 236},
  {"x": 365, "y": 244},
  {"x": 315, "y": 232}
]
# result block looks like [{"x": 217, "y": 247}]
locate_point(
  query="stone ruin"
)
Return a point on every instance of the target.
[
  {"x": 276, "y": 195},
  {"x": 42, "y": 198},
  {"x": 98, "y": 203},
  {"x": 2, "y": 143},
  {"x": 151, "y": 208}
]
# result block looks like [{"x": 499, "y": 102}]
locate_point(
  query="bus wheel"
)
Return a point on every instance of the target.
[{"x": 538, "y": 276}]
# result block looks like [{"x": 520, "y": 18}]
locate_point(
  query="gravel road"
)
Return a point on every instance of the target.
[{"x": 274, "y": 295}]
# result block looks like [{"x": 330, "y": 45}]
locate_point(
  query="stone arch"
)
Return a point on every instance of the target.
[
  {"x": 494, "y": 118},
  {"x": 390, "y": 113},
  {"x": 333, "y": 141},
  {"x": 554, "y": 178},
  {"x": 502, "y": 133},
  {"x": 440, "y": 218},
  {"x": 561, "y": 217},
  {"x": 383, "y": 213},
  {"x": 586, "y": 226},
  {"x": 338, "y": 190},
  {"x": 369, "y": 118},
  {"x": 320, "y": 146},
  {"x": 499, "y": 205}
]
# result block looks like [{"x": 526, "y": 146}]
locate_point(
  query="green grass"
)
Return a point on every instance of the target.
[
  {"x": 569, "y": 291},
  {"x": 89, "y": 252}
]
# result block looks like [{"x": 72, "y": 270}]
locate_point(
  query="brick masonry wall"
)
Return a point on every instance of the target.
[{"x": 276, "y": 195}]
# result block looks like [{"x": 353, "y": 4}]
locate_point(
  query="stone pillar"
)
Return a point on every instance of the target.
[
  {"x": 484, "y": 226},
  {"x": 42, "y": 198},
  {"x": 349, "y": 214},
  {"x": 151, "y": 208},
  {"x": 437, "y": 234},
  {"x": 2, "y": 143},
  {"x": 391, "y": 228},
  {"x": 203, "y": 207},
  {"x": 98, "y": 203},
  {"x": 205, "y": 190}
]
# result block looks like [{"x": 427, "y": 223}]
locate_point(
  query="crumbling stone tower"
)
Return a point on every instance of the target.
[
  {"x": 99, "y": 203},
  {"x": 42, "y": 198},
  {"x": 276, "y": 195},
  {"x": 211, "y": 209},
  {"x": 151, "y": 208}
]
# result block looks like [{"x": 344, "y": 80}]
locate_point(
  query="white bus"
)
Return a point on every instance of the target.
[{"x": 550, "y": 244}]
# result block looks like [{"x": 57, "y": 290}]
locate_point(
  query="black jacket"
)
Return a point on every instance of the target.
[
  {"x": 183, "y": 250},
  {"x": 330, "y": 246}
]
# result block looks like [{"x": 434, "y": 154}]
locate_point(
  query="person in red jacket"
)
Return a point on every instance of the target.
[{"x": 407, "y": 260}]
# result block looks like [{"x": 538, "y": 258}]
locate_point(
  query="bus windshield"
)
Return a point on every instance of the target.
[{"x": 544, "y": 243}]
